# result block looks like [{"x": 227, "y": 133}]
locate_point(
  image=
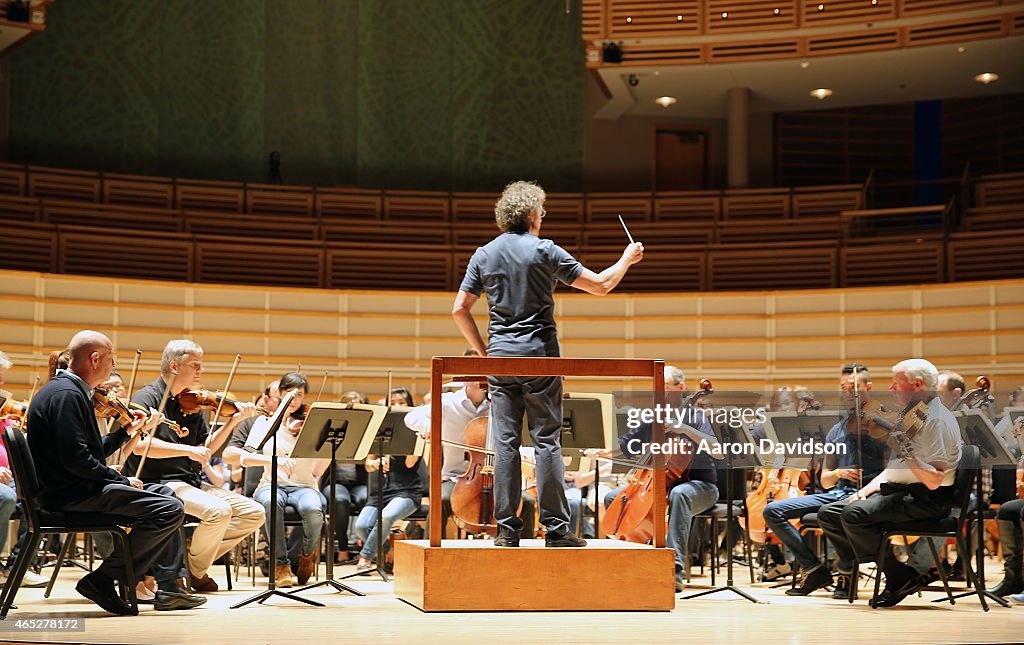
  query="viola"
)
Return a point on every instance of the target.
[
  {"x": 630, "y": 516},
  {"x": 876, "y": 421},
  {"x": 14, "y": 409},
  {"x": 195, "y": 400},
  {"x": 108, "y": 406}
]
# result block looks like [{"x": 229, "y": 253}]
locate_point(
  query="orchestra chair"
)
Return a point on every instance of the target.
[
  {"x": 41, "y": 523},
  {"x": 953, "y": 526},
  {"x": 719, "y": 514}
]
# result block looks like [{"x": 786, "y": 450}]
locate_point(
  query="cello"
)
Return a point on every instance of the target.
[
  {"x": 630, "y": 516},
  {"x": 472, "y": 498}
]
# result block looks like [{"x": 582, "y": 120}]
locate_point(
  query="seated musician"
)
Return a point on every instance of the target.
[
  {"x": 839, "y": 479},
  {"x": 402, "y": 496},
  {"x": 225, "y": 518},
  {"x": 697, "y": 490},
  {"x": 297, "y": 485},
  {"x": 458, "y": 408},
  {"x": 950, "y": 388},
  {"x": 349, "y": 490},
  {"x": 912, "y": 488},
  {"x": 69, "y": 455}
]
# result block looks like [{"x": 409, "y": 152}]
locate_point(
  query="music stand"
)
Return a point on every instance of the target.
[
  {"x": 977, "y": 430},
  {"x": 390, "y": 441},
  {"x": 257, "y": 446},
  {"x": 587, "y": 422},
  {"x": 729, "y": 438},
  {"x": 350, "y": 427}
]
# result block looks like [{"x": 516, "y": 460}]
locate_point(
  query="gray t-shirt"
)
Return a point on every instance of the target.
[{"x": 518, "y": 272}]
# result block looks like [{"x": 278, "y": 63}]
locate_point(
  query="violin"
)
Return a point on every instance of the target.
[
  {"x": 194, "y": 400},
  {"x": 14, "y": 409},
  {"x": 876, "y": 421},
  {"x": 630, "y": 516},
  {"x": 108, "y": 406}
]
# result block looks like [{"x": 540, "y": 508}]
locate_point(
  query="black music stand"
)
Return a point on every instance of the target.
[
  {"x": 977, "y": 430},
  {"x": 391, "y": 441},
  {"x": 328, "y": 427},
  {"x": 588, "y": 420},
  {"x": 749, "y": 455},
  {"x": 271, "y": 435}
]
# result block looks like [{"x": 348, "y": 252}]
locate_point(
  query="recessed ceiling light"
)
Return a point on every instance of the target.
[
  {"x": 679, "y": 18},
  {"x": 805, "y": 64},
  {"x": 629, "y": 19},
  {"x": 665, "y": 101},
  {"x": 725, "y": 14},
  {"x": 776, "y": 11},
  {"x": 961, "y": 49},
  {"x": 821, "y": 7},
  {"x": 986, "y": 78},
  {"x": 821, "y": 93}
]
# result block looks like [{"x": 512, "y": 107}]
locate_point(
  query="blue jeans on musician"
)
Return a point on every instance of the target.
[
  {"x": 575, "y": 499},
  {"x": 309, "y": 504},
  {"x": 366, "y": 524},
  {"x": 777, "y": 515},
  {"x": 684, "y": 501}
]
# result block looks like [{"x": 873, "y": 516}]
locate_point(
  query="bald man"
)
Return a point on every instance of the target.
[{"x": 70, "y": 459}]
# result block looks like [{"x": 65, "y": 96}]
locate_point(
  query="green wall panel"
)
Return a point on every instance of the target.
[{"x": 445, "y": 94}]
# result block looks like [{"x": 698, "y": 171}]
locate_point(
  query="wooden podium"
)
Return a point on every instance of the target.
[{"x": 474, "y": 575}]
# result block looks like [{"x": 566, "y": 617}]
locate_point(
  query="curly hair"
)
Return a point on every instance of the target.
[{"x": 517, "y": 201}]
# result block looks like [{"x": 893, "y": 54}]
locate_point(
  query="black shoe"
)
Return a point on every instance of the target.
[
  {"x": 1008, "y": 587},
  {"x": 956, "y": 572},
  {"x": 842, "y": 590},
  {"x": 100, "y": 590},
  {"x": 559, "y": 540},
  {"x": 891, "y": 598},
  {"x": 168, "y": 601},
  {"x": 928, "y": 577},
  {"x": 817, "y": 579},
  {"x": 505, "y": 538}
]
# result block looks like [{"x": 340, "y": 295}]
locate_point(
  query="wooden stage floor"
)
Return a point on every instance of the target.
[{"x": 381, "y": 618}]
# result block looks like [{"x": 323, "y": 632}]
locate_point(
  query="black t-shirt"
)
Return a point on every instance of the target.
[
  {"x": 402, "y": 481},
  {"x": 172, "y": 468},
  {"x": 518, "y": 272}
]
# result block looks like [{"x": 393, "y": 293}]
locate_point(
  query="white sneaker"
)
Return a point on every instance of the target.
[
  {"x": 776, "y": 571},
  {"x": 33, "y": 580}
]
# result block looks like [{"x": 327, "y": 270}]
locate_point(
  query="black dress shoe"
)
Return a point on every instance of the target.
[
  {"x": 504, "y": 538},
  {"x": 100, "y": 590},
  {"x": 1007, "y": 587},
  {"x": 559, "y": 540},
  {"x": 817, "y": 579},
  {"x": 169, "y": 601},
  {"x": 891, "y": 598}
]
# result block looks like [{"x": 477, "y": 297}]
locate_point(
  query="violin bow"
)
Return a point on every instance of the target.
[
  {"x": 220, "y": 403},
  {"x": 135, "y": 372},
  {"x": 856, "y": 411},
  {"x": 323, "y": 384},
  {"x": 160, "y": 410}
]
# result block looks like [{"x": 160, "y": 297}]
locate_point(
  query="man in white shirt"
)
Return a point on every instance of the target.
[
  {"x": 457, "y": 409},
  {"x": 914, "y": 487}
]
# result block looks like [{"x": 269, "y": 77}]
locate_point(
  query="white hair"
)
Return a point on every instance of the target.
[
  {"x": 674, "y": 375},
  {"x": 177, "y": 350},
  {"x": 919, "y": 368},
  {"x": 5, "y": 363}
]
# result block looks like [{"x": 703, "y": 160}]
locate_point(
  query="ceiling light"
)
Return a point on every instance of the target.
[
  {"x": 986, "y": 78},
  {"x": 821, "y": 7},
  {"x": 821, "y": 93},
  {"x": 776, "y": 12},
  {"x": 629, "y": 18},
  {"x": 679, "y": 18},
  {"x": 725, "y": 14},
  {"x": 961, "y": 49},
  {"x": 805, "y": 64},
  {"x": 665, "y": 101}
]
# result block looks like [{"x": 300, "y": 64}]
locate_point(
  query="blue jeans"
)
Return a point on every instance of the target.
[
  {"x": 777, "y": 516},
  {"x": 309, "y": 504},
  {"x": 575, "y": 499},
  {"x": 684, "y": 501},
  {"x": 366, "y": 524},
  {"x": 8, "y": 500}
]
